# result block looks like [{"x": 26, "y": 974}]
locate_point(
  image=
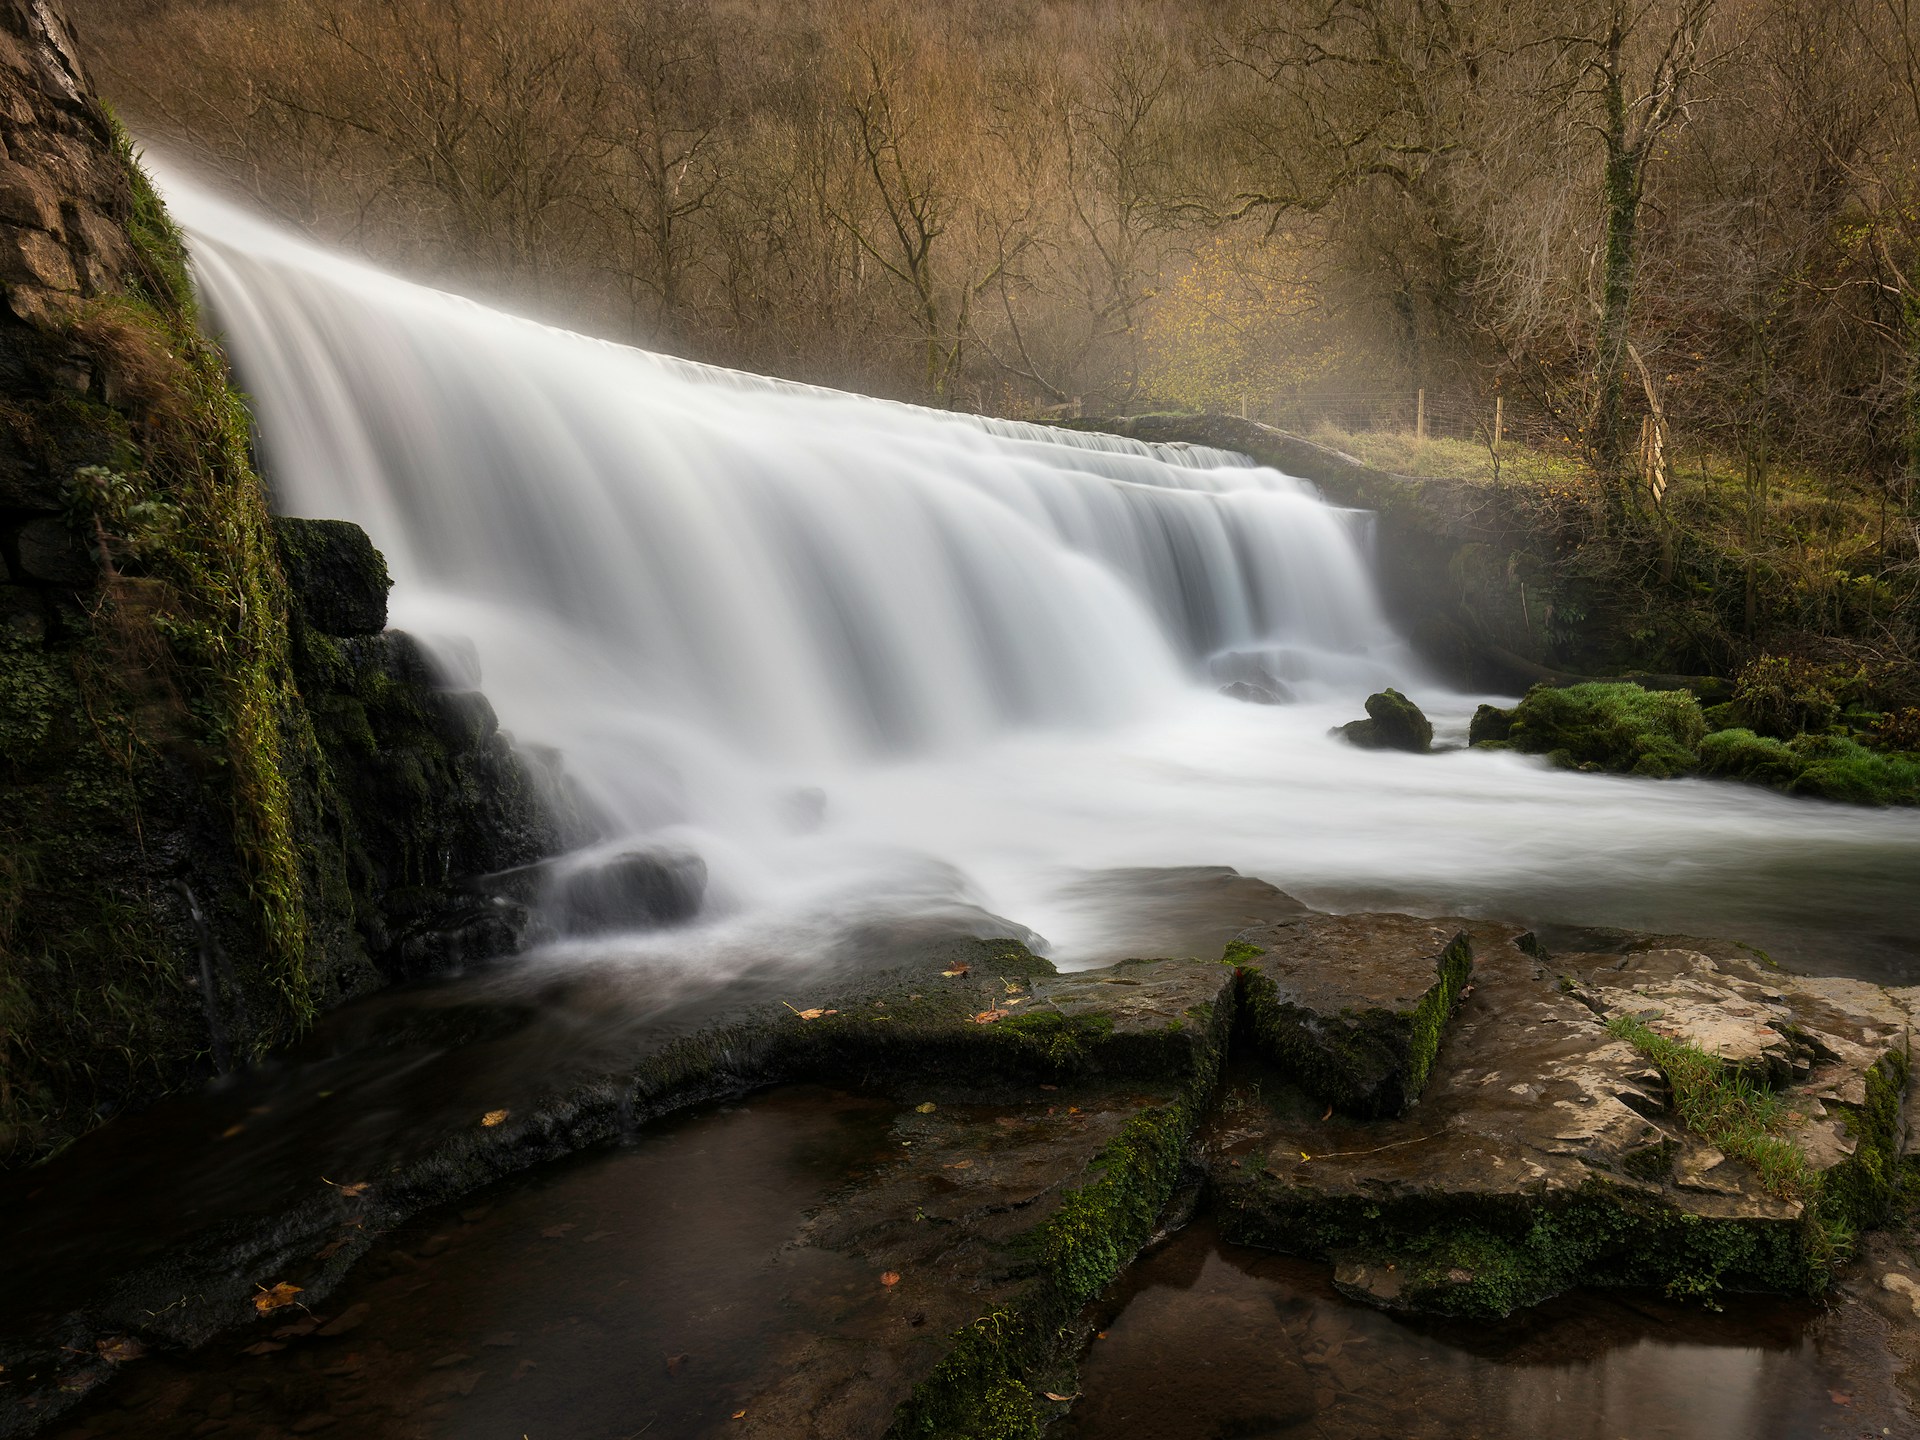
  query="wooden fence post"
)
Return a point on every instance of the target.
[
  {"x": 1498, "y": 424},
  {"x": 1420, "y": 415}
]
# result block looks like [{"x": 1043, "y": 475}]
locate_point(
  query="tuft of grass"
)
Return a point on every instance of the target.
[{"x": 1743, "y": 1119}]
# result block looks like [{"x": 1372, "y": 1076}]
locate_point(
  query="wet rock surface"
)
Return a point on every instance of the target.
[
  {"x": 974, "y": 1023},
  {"x": 1544, "y": 1155},
  {"x": 1393, "y": 723},
  {"x": 925, "y": 1254},
  {"x": 1353, "y": 1005}
]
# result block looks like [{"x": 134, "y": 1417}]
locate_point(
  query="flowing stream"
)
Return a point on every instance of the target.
[{"x": 875, "y": 661}]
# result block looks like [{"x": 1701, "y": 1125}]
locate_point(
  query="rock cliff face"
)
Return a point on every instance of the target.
[{"x": 222, "y": 809}]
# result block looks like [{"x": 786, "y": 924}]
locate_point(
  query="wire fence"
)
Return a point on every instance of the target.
[{"x": 1423, "y": 414}]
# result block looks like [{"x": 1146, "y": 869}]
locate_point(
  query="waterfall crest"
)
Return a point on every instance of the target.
[{"x": 805, "y": 572}]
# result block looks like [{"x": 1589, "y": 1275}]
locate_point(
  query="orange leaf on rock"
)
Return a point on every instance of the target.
[
  {"x": 890, "y": 1279},
  {"x": 956, "y": 969},
  {"x": 739, "y": 1414},
  {"x": 120, "y": 1349},
  {"x": 280, "y": 1296},
  {"x": 1062, "y": 1398},
  {"x": 987, "y": 1017},
  {"x": 494, "y": 1117}
]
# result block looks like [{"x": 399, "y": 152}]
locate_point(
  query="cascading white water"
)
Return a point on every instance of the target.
[{"x": 988, "y": 641}]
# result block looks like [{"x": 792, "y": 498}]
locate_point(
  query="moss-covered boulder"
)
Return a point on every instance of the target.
[
  {"x": 1490, "y": 726},
  {"x": 1393, "y": 723},
  {"x": 1353, "y": 1007},
  {"x": 341, "y": 581},
  {"x": 1614, "y": 727}
]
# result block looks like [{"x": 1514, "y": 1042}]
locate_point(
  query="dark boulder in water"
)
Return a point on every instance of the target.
[
  {"x": 1249, "y": 677},
  {"x": 634, "y": 890},
  {"x": 1491, "y": 726},
  {"x": 1393, "y": 723}
]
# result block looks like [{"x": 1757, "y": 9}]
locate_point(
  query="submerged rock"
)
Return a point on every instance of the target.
[
  {"x": 1248, "y": 676},
  {"x": 634, "y": 890},
  {"x": 1393, "y": 723}
]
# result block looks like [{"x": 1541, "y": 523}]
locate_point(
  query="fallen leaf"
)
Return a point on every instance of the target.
[
  {"x": 1021, "y": 1001},
  {"x": 987, "y": 1017},
  {"x": 494, "y": 1117},
  {"x": 805, "y": 1014},
  {"x": 121, "y": 1349},
  {"x": 890, "y": 1279},
  {"x": 1061, "y": 1398},
  {"x": 674, "y": 1362},
  {"x": 925, "y": 1109},
  {"x": 265, "y": 1347},
  {"x": 330, "y": 1249},
  {"x": 957, "y": 968},
  {"x": 739, "y": 1414},
  {"x": 1840, "y": 1397},
  {"x": 959, "y": 1165},
  {"x": 1049, "y": 1087},
  {"x": 1073, "y": 1109},
  {"x": 1305, "y": 1156},
  {"x": 1013, "y": 986},
  {"x": 231, "y": 1131},
  {"x": 277, "y": 1298},
  {"x": 1099, "y": 1334},
  {"x": 350, "y": 1192},
  {"x": 1329, "y": 1114}
]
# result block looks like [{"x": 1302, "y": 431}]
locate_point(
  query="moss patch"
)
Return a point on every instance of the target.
[
  {"x": 1617, "y": 727},
  {"x": 987, "y": 1384},
  {"x": 1368, "y": 1061}
]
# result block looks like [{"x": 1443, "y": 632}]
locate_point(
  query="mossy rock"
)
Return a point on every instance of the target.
[
  {"x": 339, "y": 581},
  {"x": 1490, "y": 726},
  {"x": 1393, "y": 723},
  {"x": 1353, "y": 1007},
  {"x": 1614, "y": 727}
]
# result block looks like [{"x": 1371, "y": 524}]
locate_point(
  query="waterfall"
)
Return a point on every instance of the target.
[{"x": 991, "y": 644}]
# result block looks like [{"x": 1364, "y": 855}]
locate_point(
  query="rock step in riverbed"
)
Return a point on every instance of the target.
[
  {"x": 1545, "y": 1152},
  {"x": 1048, "y": 1126}
]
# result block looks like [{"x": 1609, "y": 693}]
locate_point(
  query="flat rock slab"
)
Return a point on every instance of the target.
[
  {"x": 1354, "y": 1006},
  {"x": 1543, "y": 1154}
]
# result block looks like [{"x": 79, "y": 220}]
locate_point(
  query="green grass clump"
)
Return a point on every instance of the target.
[
  {"x": 1616, "y": 727},
  {"x": 1743, "y": 1119},
  {"x": 1726, "y": 1109}
]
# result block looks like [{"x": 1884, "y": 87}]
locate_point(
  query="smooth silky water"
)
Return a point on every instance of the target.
[
  {"x": 988, "y": 643},
  {"x": 990, "y": 646}
]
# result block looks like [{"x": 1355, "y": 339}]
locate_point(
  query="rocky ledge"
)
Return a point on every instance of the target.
[{"x": 1457, "y": 1121}]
